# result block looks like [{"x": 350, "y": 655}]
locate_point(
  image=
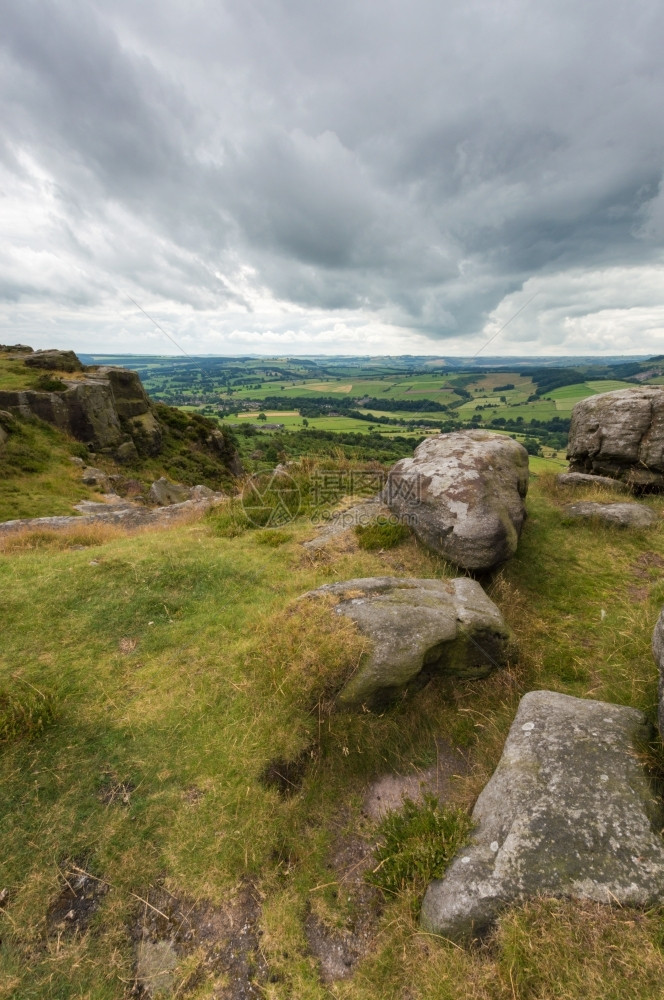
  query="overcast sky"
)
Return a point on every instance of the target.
[{"x": 333, "y": 176}]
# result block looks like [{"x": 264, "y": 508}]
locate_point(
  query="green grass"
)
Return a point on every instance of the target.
[
  {"x": 37, "y": 478},
  {"x": 181, "y": 664},
  {"x": 381, "y": 535},
  {"x": 417, "y": 845}
]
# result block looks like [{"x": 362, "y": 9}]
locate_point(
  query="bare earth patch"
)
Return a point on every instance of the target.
[
  {"x": 339, "y": 949},
  {"x": 224, "y": 939},
  {"x": 648, "y": 567},
  {"x": 388, "y": 793},
  {"x": 77, "y": 902}
]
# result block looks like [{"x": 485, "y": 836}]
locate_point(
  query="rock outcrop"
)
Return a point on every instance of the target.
[
  {"x": 568, "y": 812},
  {"x": 104, "y": 408},
  {"x": 61, "y": 361},
  {"x": 462, "y": 494},
  {"x": 658, "y": 654},
  {"x": 621, "y": 435},
  {"x": 625, "y": 515},
  {"x": 433, "y": 626}
]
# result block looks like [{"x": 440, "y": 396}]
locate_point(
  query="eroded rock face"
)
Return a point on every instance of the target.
[
  {"x": 462, "y": 494},
  {"x": 568, "y": 813},
  {"x": 621, "y": 435},
  {"x": 443, "y": 626},
  {"x": 658, "y": 653},
  {"x": 625, "y": 515}
]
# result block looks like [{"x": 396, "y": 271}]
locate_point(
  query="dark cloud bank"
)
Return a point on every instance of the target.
[{"x": 311, "y": 176}]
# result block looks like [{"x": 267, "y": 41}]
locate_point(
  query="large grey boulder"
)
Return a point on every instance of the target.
[
  {"x": 569, "y": 812},
  {"x": 444, "y": 626},
  {"x": 620, "y": 434},
  {"x": 625, "y": 515},
  {"x": 462, "y": 494},
  {"x": 658, "y": 653}
]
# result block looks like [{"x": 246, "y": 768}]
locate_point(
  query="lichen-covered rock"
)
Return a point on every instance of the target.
[
  {"x": 586, "y": 479},
  {"x": 444, "y": 626},
  {"x": 625, "y": 515},
  {"x": 621, "y": 435},
  {"x": 462, "y": 494},
  {"x": 568, "y": 813},
  {"x": 658, "y": 653}
]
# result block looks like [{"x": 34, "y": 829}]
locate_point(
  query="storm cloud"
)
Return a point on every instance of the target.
[{"x": 309, "y": 177}]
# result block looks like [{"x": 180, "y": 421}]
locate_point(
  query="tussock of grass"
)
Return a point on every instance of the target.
[
  {"x": 418, "y": 844},
  {"x": 381, "y": 534},
  {"x": 24, "y": 712}
]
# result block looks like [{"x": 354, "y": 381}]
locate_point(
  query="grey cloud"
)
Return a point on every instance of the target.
[{"x": 416, "y": 165}]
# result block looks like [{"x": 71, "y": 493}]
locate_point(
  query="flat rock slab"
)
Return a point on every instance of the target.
[
  {"x": 462, "y": 494},
  {"x": 129, "y": 518},
  {"x": 569, "y": 813},
  {"x": 626, "y": 515},
  {"x": 587, "y": 479},
  {"x": 438, "y": 626},
  {"x": 620, "y": 434}
]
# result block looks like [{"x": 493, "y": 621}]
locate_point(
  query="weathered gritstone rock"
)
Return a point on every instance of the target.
[
  {"x": 125, "y": 516},
  {"x": 621, "y": 435},
  {"x": 658, "y": 653},
  {"x": 462, "y": 494},
  {"x": 625, "y": 515},
  {"x": 92, "y": 408},
  {"x": 586, "y": 479},
  {"x": 443, "y": 626},
  {"x": 568, "y": 813}
]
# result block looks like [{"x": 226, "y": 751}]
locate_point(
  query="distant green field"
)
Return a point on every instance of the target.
[{"x": 568, "y": 396}]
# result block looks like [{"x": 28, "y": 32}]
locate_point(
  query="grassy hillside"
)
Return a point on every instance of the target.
[{"x": 167, "y": 742}]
